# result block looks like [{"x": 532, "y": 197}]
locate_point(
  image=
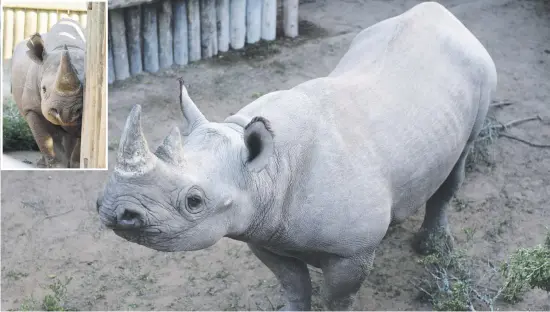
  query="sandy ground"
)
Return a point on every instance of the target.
[{"x": 50, "y": 227}]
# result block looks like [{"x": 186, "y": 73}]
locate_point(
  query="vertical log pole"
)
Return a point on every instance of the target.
[
  {"x": 111, "y": 66},
  {"x": 181, "y": 49},
  {"x": 237, "y": 23},
  {"x": 253, "y": 21},
  {"x": 52, "y": 19},
  {"x": 9, "y": 22},
  {"x": 269, "y": 19},
  {"x": 209, "y": 38},
  {"x": 194, "y": 29},
  {"x": 19, "y": 32},
  {"x": 43, "y": 22},
  {"x": 166, "y": 45},
  {"x": 290, "y": 18},
  {"x": 222, "y": 24},
  {"x": 150, "y": 38},
  {"x": 132, "y": 17},
  {"x": 120, "y": 50},
  {"x": 31, "y": 23},
  {"x": 83, "y": 19},
  {"x": 94, "y": 118}
]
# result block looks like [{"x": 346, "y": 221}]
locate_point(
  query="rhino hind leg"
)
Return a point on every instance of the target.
[
  {"x": 292, "y": 274},
  {"x": 434, "y": 235}
]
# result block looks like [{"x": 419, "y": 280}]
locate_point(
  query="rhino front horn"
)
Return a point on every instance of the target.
[
  {"x": 134, "y": 156},
  {"x": 67, "y": 82}
]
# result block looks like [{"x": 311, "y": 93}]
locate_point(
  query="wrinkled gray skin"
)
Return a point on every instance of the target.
[
  {"x": 316, "y": 174},
  {"x": 48, "y": 72}
]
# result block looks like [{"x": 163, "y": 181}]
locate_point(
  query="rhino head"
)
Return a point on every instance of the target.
[
  {"x": 60, "y": 82},
  {"x": 186, "y": 195}
]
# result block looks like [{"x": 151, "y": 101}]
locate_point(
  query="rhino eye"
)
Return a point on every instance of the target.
[
  {"x": 194, "y": 202},
  {"x": 43, "y": 89}
]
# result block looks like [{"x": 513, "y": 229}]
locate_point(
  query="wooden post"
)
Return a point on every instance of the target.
[
  {"x": 83, "y": 19},
  {"x": 43, "y": 22},
  {"x": 181, "y": 49},
  {"x": 222, "y": 23},
  {"x": 253, "y": 21},
  {"x": 94, "y": 120},
  {"x": 237, "y": 23},
  {"x": 19, "y": 31},
  {"x": 52, "y": 19},
  {"x": 31, "y": 23},
  {"x": 269, "y": 19},
  {"x": 120, "y": 51},
  {"x": 111, "y": 66},
  {"x": 166, "y": 48},
  {"x": 132, "y": 17},
  {"x": 9, "y": 21},
  {"x": 194, "y": 29},
  {"x": 209, "y": 38},
  {"x": 290, "y": 18},
  {"x": 150, "y": 38}
]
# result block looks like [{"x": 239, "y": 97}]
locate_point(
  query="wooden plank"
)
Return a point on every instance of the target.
[
  {"x": 209, "y": 37},
  {"x": 75, "y": 16},
  {"x": 94, "y": 118},
  {"x": 52, "y": 19},
  {"x": 47, "y": 5},
  {"x": 237, "y": 23},
  {"x": 166, "y": 45},
  {"x": 290, "y": 18},
  {"x": 194, "y": 29},
  {"x": 181, "y": 49},
  {"x": 120, "y": 50},
  {"x": 8, "y": 42},
  {"x": 31, "y": 23},
  {"x": 269, "y": 19},
  {"x": 83, "y": 19},
  {"x": 253, "y": 21},
  {"x": 19, "y": 32},
  {"x": 132, "y": 18},
  {"x": 150, "y": 38},
  {"x": 43, "y": 22},
  {"x": 222, "y": 23},
  {"x": 111, "y": 66}
]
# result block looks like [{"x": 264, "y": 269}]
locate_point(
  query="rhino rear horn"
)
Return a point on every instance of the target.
[
  {"x": 134, "y": 156},
  {"x": 36, "y": 52},
  {"x": 171, "y": 149},
  {"x": 191, "y": 112},
  {"x": 66, "y": 82}
]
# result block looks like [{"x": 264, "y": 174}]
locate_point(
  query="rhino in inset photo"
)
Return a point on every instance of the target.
[
  {"x": 315, "y": 175},
  {"x": 48, "y": 82}
]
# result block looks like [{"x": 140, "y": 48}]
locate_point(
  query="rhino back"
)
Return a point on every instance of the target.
[
  {"x": 24, "y": 79},
  {"x": 65, "y": 32},
  {"x": 385, "y": 128}
]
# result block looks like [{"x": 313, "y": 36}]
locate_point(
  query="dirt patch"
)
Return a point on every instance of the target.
[{"x": 50, "y": 226}]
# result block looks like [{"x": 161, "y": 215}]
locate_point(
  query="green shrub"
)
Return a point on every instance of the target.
[
  {"x": 527, "y": 268},
  {"x": 17, "y": 134}
]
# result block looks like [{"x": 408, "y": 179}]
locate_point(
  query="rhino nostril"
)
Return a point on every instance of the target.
[
  {"x": 130, "y": 218},
  {"x": 54, "y": 112}
]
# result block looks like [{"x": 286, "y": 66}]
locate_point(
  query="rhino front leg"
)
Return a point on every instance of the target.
[
  {"x": 343, "y": 279},
  {"x": 293, "y": 275},
  {"x": 434, "y": 234},
  {"x": 44, "y": 135}
]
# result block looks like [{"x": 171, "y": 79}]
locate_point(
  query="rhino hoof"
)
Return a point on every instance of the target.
[{"x": 433, "y": 242}]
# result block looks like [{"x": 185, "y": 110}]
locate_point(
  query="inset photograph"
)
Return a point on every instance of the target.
[{"x": 54, "y": 91}]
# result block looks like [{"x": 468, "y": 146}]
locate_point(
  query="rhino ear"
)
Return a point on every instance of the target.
[
  {"x": 258, "y": 138},
  {"x": 37, "y": 52},
  {"x": 171, "y": 150}
]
